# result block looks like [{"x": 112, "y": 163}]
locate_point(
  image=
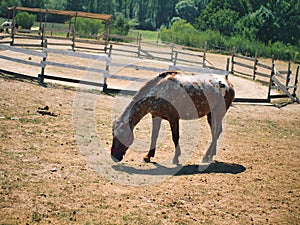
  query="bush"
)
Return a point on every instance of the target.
[
  {"x": 184, "y": 33},
  {"x": 25, "y": 20},
  {"x": 88, "y": 26},
  {"x": 181, "y": 33},
  {"x": 120, "y": 26}
]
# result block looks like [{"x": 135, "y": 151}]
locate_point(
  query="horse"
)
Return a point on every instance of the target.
[{"x": 171, "y": 96}]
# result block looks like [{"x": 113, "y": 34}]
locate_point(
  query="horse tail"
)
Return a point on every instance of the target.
[{"x": 229, "y": 96}]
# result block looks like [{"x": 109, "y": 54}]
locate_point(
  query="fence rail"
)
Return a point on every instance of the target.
[{"x": 277, "y": 79}]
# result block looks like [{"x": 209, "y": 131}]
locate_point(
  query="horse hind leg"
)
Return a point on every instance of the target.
[
  {"x": 175, "y": 136},
  {"x": 215, "y": 123},
  {"x": 156, "y": 123}
]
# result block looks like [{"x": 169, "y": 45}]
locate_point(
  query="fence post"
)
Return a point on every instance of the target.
[
  {"x": 271, "y": 78},
  {"x": 227, "y": 68},
  {"x": 43, "y": 35},
  {"x": 288, "y": 77},
  {"x": 172, "y": 52},
  {"x": 255, "y": 66},
  {"x": 232, "y": 61},
  {"x": 73, "y": 38},
  {"x": 296, "y": 81},
  {"x": 175, "y": 59},
  {"x": 139, "y": 39},
  {"x": 41, "y": 76},
  {"x": 106, "y": 34},
  {"x": 13, "y": 30},
  {"x": 107, "y": 70},
  {"x": 204, "y": 54}
]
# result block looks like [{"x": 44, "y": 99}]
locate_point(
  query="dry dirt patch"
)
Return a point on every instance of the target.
[{"x": 45, "y": 179}]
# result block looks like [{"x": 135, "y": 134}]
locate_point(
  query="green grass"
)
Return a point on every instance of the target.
[{"x": 147, "y": 35}]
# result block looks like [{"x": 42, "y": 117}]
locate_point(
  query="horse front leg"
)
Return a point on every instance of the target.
[
  {"x": 156, "y": 123},
  {"x": 175, "y": 136},
  {"x": 215, "y": 123}
]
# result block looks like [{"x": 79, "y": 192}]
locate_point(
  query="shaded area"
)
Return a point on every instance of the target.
[
  {"x": 179, "y": 170},
  {"x": 217, "y": 167}
]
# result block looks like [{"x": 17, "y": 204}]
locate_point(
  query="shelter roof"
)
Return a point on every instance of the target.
[{"x": 105, "y": 17}]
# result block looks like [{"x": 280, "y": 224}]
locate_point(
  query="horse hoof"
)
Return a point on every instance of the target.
[
  {"x": 175, "y": 161},
  {"x": 146, "y": 159},
  {"x": 208, "y": 159}
]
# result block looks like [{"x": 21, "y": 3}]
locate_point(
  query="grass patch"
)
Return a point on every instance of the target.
[
  {"x": 132, "y": 217},
  {"x": 147, "y": 35}
]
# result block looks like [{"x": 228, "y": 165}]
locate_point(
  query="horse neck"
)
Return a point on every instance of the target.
[{"x": 137, "y": 110}]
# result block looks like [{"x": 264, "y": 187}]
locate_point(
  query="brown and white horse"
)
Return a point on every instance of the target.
[{"x": 173, "y": 96}]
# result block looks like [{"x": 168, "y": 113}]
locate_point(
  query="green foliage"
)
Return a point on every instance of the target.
[
  {"x": 180, "y": 32},
  {"x": 271, "y": 26},
  {"x": 287, "y": 16},
  {"x": 33, "y": 3},
  {"x": 184, "y": 33},
  {"x": 120, "y": 26},
  {"x": 4, "y": 4},
  {"x": 223, "y": 20},
  {"x": 187, "y": 10},
  {"x": 25, "y": 19},
  {"x": 260, "y": 24},
  {"x": 88, "y": 26},
  {"x": 58, "y": 5},
  {"x": 150, "y": 14}
]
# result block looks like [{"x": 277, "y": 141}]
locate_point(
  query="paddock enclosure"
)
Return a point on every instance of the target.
[
  {"x": 46, "y": 179},
  {"x": 114, "y": 70}
]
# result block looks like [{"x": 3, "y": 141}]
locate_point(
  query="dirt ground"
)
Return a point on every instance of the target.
[
  {"x": 55, "y": 166},
  {"x": 46, "y": 180}
]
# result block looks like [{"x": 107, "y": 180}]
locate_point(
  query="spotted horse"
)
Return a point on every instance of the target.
[{"x": 172, "y": 96}]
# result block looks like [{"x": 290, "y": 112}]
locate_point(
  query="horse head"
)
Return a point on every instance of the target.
[{"x": 122, "y": 139}]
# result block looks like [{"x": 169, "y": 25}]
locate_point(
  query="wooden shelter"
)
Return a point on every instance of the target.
[{"x": 107, "y": 18}]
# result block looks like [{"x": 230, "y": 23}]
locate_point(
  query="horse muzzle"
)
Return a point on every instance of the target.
[{"x": 117, "y": 156}]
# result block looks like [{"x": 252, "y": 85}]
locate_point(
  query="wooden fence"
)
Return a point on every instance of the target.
[
  {"x": 168, "y": 52},
  {"x": 108, "y": 65},
  {"x": 280, "y": 80},
  {"x": 37, "y": 38},
  {"x": 14, "y": 49},
  {"x": 128, "y": 46}
]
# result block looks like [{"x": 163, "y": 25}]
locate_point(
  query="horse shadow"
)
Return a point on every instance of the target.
[{"x": 179, "y": 170}]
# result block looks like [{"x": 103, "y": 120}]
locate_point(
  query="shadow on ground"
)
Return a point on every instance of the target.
[{"x": 180, "y": 170}]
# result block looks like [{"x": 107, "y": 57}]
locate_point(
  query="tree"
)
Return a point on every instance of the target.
[
  {"x": 4, "y": 4},
  {"x": 120, "y": 26},
  {"x": 33, "y": 3},
  {"x": 55, "y": 4},
  {"x": 222, "y": 20},
  {"x": 287, "y": 16},
  {"x": 259, "y": 25},
  {"x": 25, "y": 19},
  {"x": 201, "y": 4},
  {"x": 74, "y": 5},
  {"x": 221, "y": 15},
  {"x": 105, "y": 6},
  {"x": 58, "y": 5},
  {"x": 187, "y": 10}
]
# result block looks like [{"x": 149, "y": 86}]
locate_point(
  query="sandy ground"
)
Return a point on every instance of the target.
[
  {"x": 55, "y": 168},
  {"x": 45, "y": 178}
]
